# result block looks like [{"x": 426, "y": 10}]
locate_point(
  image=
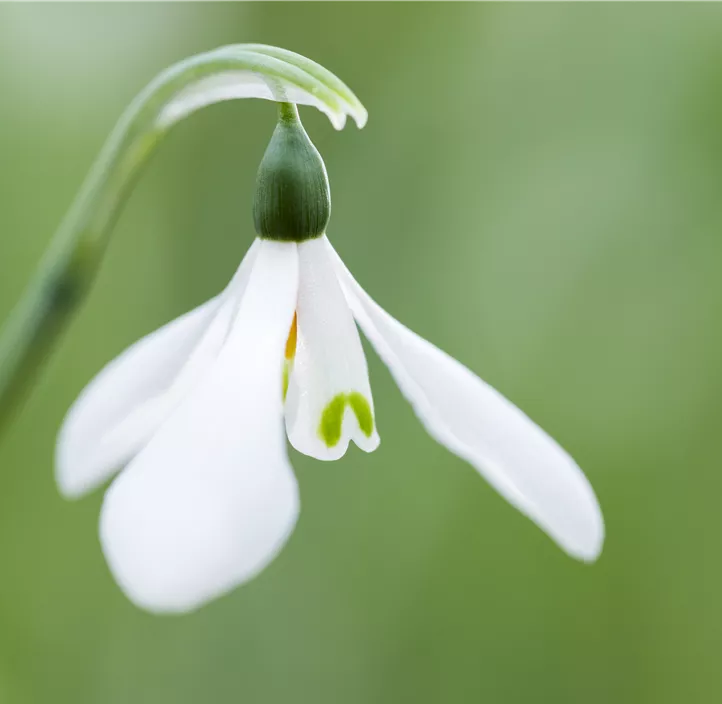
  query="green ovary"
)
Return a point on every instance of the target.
[{"x": 332, "y": 417}]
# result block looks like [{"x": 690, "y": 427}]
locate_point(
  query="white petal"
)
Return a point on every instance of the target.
[
  {"x": 85, "y": 455},
  {"x": 329, "y": 398},
  {"x": 126, "y": 402},
  {"x": 477, "y": 423},
  {"x": 212, "y": 498}
]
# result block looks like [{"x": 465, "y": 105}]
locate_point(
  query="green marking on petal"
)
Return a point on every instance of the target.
[
  {"x": 362, "y": 409},
  {"x": 332, "y": 417},
  {"x": 285, "y": 379}
]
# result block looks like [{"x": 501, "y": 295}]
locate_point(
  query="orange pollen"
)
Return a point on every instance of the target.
[{"x": 291, "y": 342}]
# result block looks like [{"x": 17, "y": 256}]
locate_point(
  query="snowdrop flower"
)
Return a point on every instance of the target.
[
  {"x": 194, "y": 417},
  {"x": 194, "y": 414}
]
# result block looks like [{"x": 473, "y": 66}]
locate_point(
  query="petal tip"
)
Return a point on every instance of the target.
[
  {"x": 168, "y": 561},
  {"x": 69, "y": 490},
  {"x": 587, "y": 542},
  {"x": 596, "y": 546},
  {"x": 75, "y": 475},
  {"x": 368, "y": 444},
  {"x": 70, "y": 482}
]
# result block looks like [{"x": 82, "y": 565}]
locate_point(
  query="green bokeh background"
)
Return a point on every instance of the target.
[{"x": 538, "y": 192}]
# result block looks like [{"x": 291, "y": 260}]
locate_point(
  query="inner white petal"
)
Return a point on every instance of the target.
[{"x": 329, "y": 398}]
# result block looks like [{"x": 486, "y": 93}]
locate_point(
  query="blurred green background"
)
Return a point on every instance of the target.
[{"x": 538, "y": 191}]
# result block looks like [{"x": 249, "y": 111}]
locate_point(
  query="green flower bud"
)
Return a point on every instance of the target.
[{"x": 293, "y": 199}]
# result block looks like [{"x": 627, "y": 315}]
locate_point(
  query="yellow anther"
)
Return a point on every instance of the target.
[{"x": 291, "y": 342}]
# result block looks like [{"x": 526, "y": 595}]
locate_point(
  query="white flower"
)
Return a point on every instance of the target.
[{"x": 194, "y": 413}]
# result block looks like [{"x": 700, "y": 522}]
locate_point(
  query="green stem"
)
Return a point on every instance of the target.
[
  {"x": 288, "y": 112},
  {"x": 69, "y": 266}
]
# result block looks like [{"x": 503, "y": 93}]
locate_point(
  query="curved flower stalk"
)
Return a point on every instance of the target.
[
  {"x": 74, "y": 255},
  {"x": 194, "y": 417}
]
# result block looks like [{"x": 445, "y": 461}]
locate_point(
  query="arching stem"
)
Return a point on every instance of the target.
[{"x": 65, "y": 273}]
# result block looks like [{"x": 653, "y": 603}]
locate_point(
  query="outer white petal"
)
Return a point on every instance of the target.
[
  {"x": 329, "y": 377},
  {"x": 88, "y": 447},
  {"x": 212, "y": 498},
  {"x": 124, "y": 405},
  {"x": 477, "y": 423}
]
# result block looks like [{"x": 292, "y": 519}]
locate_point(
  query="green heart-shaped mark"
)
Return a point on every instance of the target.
[{"x": 332, "y": 417}]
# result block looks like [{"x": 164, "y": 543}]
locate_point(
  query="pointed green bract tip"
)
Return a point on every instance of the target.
[{"x": 331, "y": 424}]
